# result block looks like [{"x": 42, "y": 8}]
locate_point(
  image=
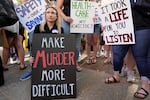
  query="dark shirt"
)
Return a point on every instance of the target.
[
  {"x": 140, "y": 20},
  {"x": 66, "y": 9},
  {"x": 53, "y": 30}
]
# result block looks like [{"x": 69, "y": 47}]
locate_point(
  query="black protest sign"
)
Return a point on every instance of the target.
[{"x": 53, "y": 72}]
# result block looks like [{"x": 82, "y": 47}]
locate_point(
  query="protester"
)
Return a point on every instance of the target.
[
  {"x": 63, "y": 7},
  {"x": 93, "y": 39},
  {"x": 11, "y": 38},
  {"x": 7, "y": 9},
  {"x": 141, "y": 50},
  {"x": 17, "y": 41},
  {"x": 50, "y": 25}
]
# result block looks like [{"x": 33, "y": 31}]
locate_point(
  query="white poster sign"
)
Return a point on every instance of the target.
[
  {"x": 82, "y": 13},
  {"x": 117, "y": 20},
  {"x": 31, "y": 13}
]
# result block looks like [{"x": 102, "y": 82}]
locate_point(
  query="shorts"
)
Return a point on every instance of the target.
[{"x": 97, "y": 28}]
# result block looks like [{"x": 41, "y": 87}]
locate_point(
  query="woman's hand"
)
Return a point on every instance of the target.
[{"x": 68, "y": 19}]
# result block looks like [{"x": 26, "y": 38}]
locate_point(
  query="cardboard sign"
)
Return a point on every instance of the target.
[
  {"x": 53, "y": 72},
  {"x": 82, "y": 13},
  {"x": 117, "y": 19},
  {"x": 31, "y": 13}
]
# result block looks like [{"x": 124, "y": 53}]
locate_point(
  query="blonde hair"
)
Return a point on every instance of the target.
[{"x": 57, "y": 22}]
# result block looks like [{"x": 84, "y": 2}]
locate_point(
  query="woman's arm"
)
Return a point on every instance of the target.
[
  {"x": 61, "y": 13},
  {"x": 59, "y": 8}
]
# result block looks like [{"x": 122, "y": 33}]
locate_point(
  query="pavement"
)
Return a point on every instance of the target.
[{"x": 90, "y": 83}]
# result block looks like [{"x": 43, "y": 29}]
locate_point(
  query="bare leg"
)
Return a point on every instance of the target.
[
  {"x": 6, "y": 52},
  {"x": 88, "y": 47},
  {"x": 19, "y": 46},
  {"x": 108, "y": 54},
  {"x": 129, "y": 63},
  {"x": 130, "y": 60},
  {"x": 5, "y": 57},
  {"x": 95, "y": 39}
]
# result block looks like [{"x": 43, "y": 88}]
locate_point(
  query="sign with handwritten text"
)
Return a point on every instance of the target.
[
  {"x": 31, "y": 13},
  {"x": 53, "y": 72},
  {"x": 118, "y": 23},
  {"x": 82, "y": 13}
]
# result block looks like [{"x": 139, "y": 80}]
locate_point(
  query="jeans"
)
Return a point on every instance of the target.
[
  {"x": 141, "y": 52},
  {"x": 66, "y": 27},
  {"x": 30, "y": 41},
  {"x": 119, "y": 52}
]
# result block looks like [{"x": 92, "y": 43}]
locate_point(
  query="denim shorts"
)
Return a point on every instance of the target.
[{"x": 97, "y": 28}]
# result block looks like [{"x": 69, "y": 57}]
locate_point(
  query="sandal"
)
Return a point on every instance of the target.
[
  {"x": 22, "y": 68},
  {"x": 5, "y": 68},
  {"x": 78, "y": 69},
  {"x": 111, "y": 79},
  {"x": 88, "y": 61},
  {"x": 107, "y": 60},
  {"x": 141, "y": 95},
  {"x": 93, "y": 60}
]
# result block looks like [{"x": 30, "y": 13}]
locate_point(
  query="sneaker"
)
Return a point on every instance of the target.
[
  {"x": 17, "y": 61},
  {"x": 130, "y": 76},
  {"x": 11, "y": 61},
  {"x": 98, "y": 54},
  {"x": 26, "y": 76},
  {"x": 124, "y": 72},
  {"x": 102, "y": 53}
]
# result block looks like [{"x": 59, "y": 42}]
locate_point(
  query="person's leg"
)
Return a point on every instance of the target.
[
  {"x": 30, "y": 42},
  {"x": 130, "y": 60},
  {"x": 130, "y": 64},
  {"x": 66, "y": 27},
  {"x": 141, "y": 52},
  {"x": 95, "y": 38},
  {"x": 88, "y": 47},
  {"x": 78, "y": 44},
  {"x": 119, "y": 52},
  {"x": 5, "y": 57},
  {"x": 107, "y": 54},
  {"x": 6, "y": 52},
  {"x": 13, "y": 55},
  {"x": 19, "y": 47},
  {"x": 99, "y": 46},
  {"x": 96, "y": 41}
]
